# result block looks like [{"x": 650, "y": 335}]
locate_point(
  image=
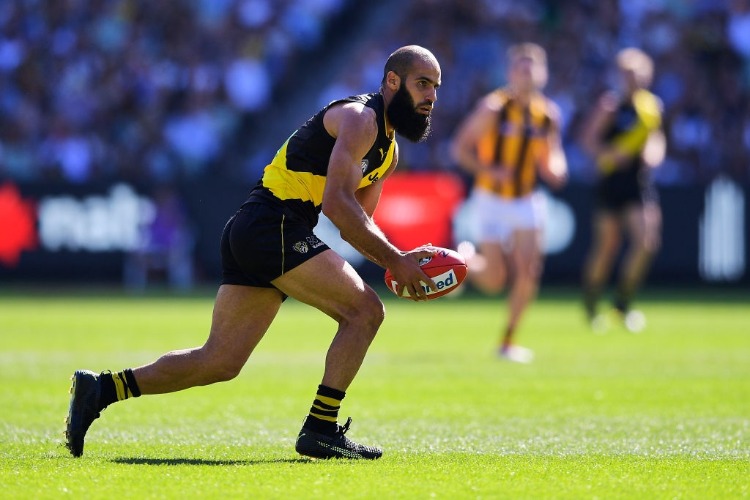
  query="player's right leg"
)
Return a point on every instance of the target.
[
  {"x": 240, "y": 319},
  {"x": 601, "y": 257},
  {"x": 527, "y": 263},
  {"x": 245, "y": 306}
]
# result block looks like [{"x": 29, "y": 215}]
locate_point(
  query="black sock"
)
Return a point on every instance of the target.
[
  {"x": 621, "y": 305},
  {"x": 324, "y": 411},
  {"x": 590, "y": 298},
  {"x": 623, "y": 298},
  {"x": 116, "y": 387}
]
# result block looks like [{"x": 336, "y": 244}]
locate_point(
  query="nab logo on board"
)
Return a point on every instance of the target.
[
  {"x": 17, "y": 225},
  {"x": 115, "y": 221}
]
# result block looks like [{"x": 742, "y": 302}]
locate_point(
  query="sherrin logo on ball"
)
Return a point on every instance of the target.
[{"x": 447, "y": 268}]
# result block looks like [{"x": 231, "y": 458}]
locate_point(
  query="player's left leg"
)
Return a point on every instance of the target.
[
  {"x": 526, "y": 259},
  {"x": 487, "y": 269},
  {"x": 331, "y": 285},
  {"x": 643, "y": 224},
  {"x": 487, "y": 264}
]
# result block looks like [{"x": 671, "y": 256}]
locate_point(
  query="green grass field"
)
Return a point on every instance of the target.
[{"x": 664, "y": 414}]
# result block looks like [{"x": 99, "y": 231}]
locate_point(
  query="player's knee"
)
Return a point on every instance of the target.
[
  {"x": 644, "y": 245},
  {"x": 489, "y": 281},
  {"x": 493, "y": 284},
  {"x": 651, "y": 244},
  {"x": 609, "y": 247},
  {"x": 368, "y": 313},
  {"x": 224, "y": 372},
  {"x": 217, "y": 366},
  {"x": 374, "y": 312},
  {"x": 527, "y": 282},
  {"x": 535, "y": 270}
]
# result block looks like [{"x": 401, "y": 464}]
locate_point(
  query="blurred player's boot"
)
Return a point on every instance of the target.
[
  {"x": 83, "y": 409},
  {"x": 634, "y": 321},
  {"x": 599, "y": 324},
  {"x": 317, "y": 445},
  {"x": 516, "y": 354}
]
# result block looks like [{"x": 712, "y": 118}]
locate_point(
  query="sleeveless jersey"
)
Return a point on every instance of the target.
[
  {"x": 297, "y": 174},
  {"x": 633, "y": 121},
  {"x": 518, "y": 142}
]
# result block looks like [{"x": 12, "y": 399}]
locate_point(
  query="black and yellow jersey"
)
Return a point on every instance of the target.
[
  {"x": 633, "y": 120},
  {"x": 297, "y": 175},
  {"x": 518, "y": 142}
]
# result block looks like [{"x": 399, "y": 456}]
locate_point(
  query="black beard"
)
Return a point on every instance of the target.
[{"x": 404, "y": 117}]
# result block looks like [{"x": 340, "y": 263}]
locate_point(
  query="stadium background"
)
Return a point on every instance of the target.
[{"x": 129, "y": 126}]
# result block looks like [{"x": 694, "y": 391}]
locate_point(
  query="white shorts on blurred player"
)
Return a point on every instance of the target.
[{"x": 496, "y": 218}]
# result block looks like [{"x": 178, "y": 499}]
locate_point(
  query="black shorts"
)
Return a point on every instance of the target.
[
  {"x": 262, "y": 241},
  {"x": 615, "y": 194}
]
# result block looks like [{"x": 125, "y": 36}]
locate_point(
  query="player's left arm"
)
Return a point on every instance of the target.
[
  {"x": 655, "y": 149},
  {"x": 369, "y": 196},
  {"x": 553, "y": 165}
]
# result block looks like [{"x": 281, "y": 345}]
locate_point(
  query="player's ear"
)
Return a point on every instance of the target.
[{"x": 392, "y": 81}]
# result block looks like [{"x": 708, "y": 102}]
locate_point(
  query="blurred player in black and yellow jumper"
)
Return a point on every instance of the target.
[
  {"x": 624, "y": 136},
  {"x": 510, "y": 140}
]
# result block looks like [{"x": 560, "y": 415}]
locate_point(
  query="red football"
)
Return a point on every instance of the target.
[{"x": 447, "y": 268}]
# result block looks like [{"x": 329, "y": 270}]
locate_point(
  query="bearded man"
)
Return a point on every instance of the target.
[{"x": 335, "y": 163}]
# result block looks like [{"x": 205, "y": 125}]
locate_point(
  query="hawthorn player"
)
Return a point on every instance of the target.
[{"x": 510, "y": 140}]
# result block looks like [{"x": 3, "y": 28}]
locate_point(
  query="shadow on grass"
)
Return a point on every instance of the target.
[{"x": 201, "y": 461}]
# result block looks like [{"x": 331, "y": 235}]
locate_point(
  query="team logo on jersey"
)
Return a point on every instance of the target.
[
  {"x": 313, "y": 241},
  {"x": 365, "y": 164},
  {"x": 301, "y": 247}
]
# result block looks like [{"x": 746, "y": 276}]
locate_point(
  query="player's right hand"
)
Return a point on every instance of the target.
[{"x": 407, "y": 273}]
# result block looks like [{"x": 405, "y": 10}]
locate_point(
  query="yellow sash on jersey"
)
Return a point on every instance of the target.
[
  {"x": 288, "y": 184},
  {"x": 632, "y": 142}
]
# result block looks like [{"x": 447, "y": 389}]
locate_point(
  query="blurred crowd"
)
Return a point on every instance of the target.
[
  {"x": 137, "y": 89},
  {"x": 701, "y": 49},
  {"x": 163, "y": 91}
]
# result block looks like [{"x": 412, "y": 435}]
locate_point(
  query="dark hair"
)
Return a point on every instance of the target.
[{"x": 401, "y": 61}]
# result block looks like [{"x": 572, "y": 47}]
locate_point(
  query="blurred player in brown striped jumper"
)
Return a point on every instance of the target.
[
  {"x": 510, "y": 139},
  {"x": 624, "y": 136}
]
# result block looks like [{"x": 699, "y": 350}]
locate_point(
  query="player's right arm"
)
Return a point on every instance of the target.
[
  {"x": 355, "y": 129},
  {"x": 593, "y": 128},
  {"x": 464, "y": 145},
  {"x": 608, "y": 157}
]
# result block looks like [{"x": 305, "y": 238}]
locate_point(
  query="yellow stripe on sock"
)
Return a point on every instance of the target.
[
  {"x": 322, "y": 413},
  {"x": 322, "y": 417},
  {"x": 329, "y": 401},
  {"x": 123, "y": 392}
]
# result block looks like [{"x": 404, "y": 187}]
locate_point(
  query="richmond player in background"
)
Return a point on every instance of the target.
[
  {"x": 623, "y": 135},
  {"x": 510, "y": 139},
  {"x": 336, "y": 162}
]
